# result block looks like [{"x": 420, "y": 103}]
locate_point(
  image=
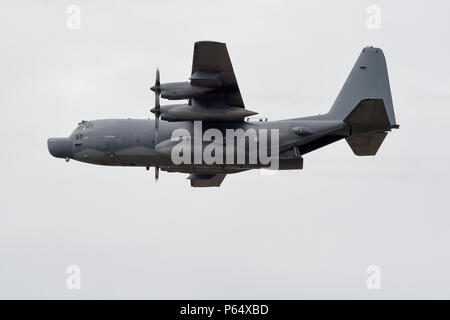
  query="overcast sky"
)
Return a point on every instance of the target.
[{"x": 297, "y": 234}]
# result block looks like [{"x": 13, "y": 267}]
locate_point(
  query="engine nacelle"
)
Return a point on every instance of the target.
[{"x": 182, "y": 90}]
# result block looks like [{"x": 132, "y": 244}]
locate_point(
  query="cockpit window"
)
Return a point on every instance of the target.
[{"x": 83, "y": 125}]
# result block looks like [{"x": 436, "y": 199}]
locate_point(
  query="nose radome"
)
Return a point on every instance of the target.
[{"x": 60, "y": 147}]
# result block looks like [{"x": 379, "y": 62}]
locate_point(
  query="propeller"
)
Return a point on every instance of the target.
[
  {"x": 157, "y": 89},
  {"x": 157, "y": 111}
]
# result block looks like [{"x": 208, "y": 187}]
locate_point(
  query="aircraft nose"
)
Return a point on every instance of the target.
[{"x": 60, "y": 147}]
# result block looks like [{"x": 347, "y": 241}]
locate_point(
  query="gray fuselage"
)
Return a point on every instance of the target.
[{"x": 132, "y": 142}]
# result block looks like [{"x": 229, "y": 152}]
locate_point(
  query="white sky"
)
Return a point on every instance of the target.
[{"x": 297, "y": 234}]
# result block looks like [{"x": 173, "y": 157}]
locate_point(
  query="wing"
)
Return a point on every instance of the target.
[
  {"x": 211, "y": 68},
  {"x": 206, "y": 179},
  {"x": 212, "y": 91}
]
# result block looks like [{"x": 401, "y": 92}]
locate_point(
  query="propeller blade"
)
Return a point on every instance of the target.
[
  {"x": 157, "y": 87},
  {"x": 156, "y": 173},
  {"x": 157, "y": 82},
  {"x": 157, "y": 103},
  {"x": 157, "y": 109}
]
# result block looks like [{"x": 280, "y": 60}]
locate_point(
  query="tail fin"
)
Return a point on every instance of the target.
[{"x": 365, "y": 103}]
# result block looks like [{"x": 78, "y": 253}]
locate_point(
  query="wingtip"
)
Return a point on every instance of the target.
[{"x": 209, "y": 42}]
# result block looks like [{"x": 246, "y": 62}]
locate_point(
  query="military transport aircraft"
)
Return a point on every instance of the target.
[{"x": 214, "y": 128}]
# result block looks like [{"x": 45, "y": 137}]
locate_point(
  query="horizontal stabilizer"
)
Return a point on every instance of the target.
[
  {"x": 366, "y": 144},
  {"x": 368, "y": 116}
]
